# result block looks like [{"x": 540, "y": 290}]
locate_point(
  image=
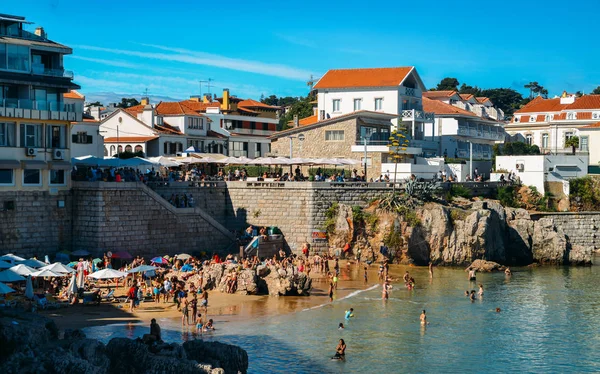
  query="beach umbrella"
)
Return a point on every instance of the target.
[
  {"x": 57, "y": 267},
  {"x": 142, "y": 269},
  {"x": 22, "y": 269},
  {"x": 11, "y": 258},
  {"x": 96, "y": 260},
  {"x": 183, "y": 256},
  {"x": 159, "y": 260},
  {"x": 80, "y": 280},
  {"x": 123, "y": 255},
  {"x": 33, "y": 263},
  {"x": 46, "y": 273},
  {"x": 10, "y": 276},
  {"x": 5, "y": 289},
  {"x": 107, "y": 274},
  {"x": 80, "y": 252},
  {"x": 72, "y": 264},
  {"x": 282, "y": 161},
  {"x": 72, "y": 289},
  {"x": 29, "y": 289},
  {"x": 5, "y": 265}
]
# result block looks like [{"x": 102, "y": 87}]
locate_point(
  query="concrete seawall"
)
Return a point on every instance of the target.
[{"x": 580, "y": 227}]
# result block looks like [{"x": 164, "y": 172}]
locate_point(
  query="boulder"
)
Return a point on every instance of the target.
[
  {"x": 580, "y": 255},
  {"x": 549, "y": 243},
  {"x": 230, "y": 358},
  {"x": 519, "y": 236},
  {"x": 485, "y": 266}
]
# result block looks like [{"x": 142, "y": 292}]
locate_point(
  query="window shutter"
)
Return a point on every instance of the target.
[
  {"x": 74, "y": 138},
  {"x": 90, "y": 139}
]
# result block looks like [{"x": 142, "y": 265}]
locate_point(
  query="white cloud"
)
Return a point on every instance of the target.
[
  {"x": 121, "y": 64},
  {"x": 208, "y": 59}
]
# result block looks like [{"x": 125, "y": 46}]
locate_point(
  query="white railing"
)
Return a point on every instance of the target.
[{"x": 417, "y": 115}]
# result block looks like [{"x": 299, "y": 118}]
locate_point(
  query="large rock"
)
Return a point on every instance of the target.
[
  {"x": 288, "y": 282},
  {"x": 230, "y": 358},
  {"x": 549, "y": 243},
  {"x": 519, "y": 236},
  {"x": 579, "y": 255},
  {"x": 485, "y": 266}
]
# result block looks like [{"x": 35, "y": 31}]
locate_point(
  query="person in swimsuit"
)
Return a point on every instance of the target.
[
  {"x": 340, "y": 350},
  {"x": 423, "y": 318},
  {"x": 349, "y": 314},
  {"x": 472, "y": 295},
  {"x": 366, "y": 275},
  {"x": 204, "y": 298},
  {"x": 185, "y": 312},
  {"x": 480, "y": 290},
  {"x": 209, "y": 325},
  {"x": 335, "y": 281},
  {"x": 330, "y": 292},
  {"x": 341, "y": 326},
  {"x": 508, "y": 272},
  {"x": 199, "y": 323},
  {"x": 498, "y": 310},
  {"x": 406, "y": 277},
  {"x": 467, "y": 293},
  {"x": 472, "y": 276},
  {"x": 431, "y": 270},
  {"x": 384, "y": 291}
]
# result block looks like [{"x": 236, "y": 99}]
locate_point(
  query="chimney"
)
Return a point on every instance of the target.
[
  {"x": 39, "y": 31},
  {"x": 296, "y": 121},
  {"x": 225, "y": 105},
  {"x": 206, "y": 99},
  {"x": 147, "y": 115},
  {"x": 145, "y": 100}
]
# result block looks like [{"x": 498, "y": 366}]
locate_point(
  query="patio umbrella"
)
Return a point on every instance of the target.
[
  {"x": 29, "y": 289},
  {"x": 163, "y": 161},
  {"x": 80, "y": 280},
  {"x": 159, "y": 260},
  {"x": 5, "y": 265},
  {"x": 33, "y": 263},
  {"x": 96, "y": 260},
  {"x": 80, "y": 252},
  {"x": 183, "y": 256},
  {"x": 72, "y": 289},
  {"x": 45, "y": 273},
  {"x": 72, "y": 264},
  {"x": 142, "y": 269},
  {"x": 23, "y": 269},
  {"x": 10, "y": 276},
  {"x": 262, "y": 161},
  {"x": 57, "y": 267},
  {"x": 5, "y": 289},
  {"x": 123, "y": 255},
  {"x": 282, "y": 161},
  {"x": 107, "y": 274},
  {"x": 11, "y": 258}
]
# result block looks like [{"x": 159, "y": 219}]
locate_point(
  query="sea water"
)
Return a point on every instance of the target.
[{"x": 549, "y": 322}]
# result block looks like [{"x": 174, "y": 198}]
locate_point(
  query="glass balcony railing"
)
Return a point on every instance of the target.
[{"x": 37, "y": 105}]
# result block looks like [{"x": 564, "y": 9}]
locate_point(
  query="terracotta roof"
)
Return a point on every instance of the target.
[
  {"x": 90, "y": 120},
  {"x": 309, "y": 120},
  {"x": 592, "y": 126},
  {"x": 524, "y": 119},
  {"x": 585, "y": 102},
  {"x": 376, "y": 77},
  {"x": 249, "y": 103},
  {"x": 540, "y": 104},
  {"x": 244, "y": 109},
  {"x": 584, "y": 115},
  {"x": 135, "y": 109},
  {"x": 199, "y": 106},
  {"x": 439, "y": 94},
  {"x": 482, "y": 99},
  {"x": 167, "y": 129},
  {"x": 130, "y": 139},
  {"x": 540, "y": 118},
  {"x": 440, "y": 108},
  {"x": 73, "y": 95},
  {"x": 466, "y": 97},
  {"x": 173, "y": 108}
]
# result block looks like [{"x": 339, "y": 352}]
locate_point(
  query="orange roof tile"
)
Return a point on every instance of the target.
[
  {"x": 584, "y": 115},
  {"x": 73, "y": 95},
  {"x": 440, "y": 108},
  {"x": 167, "y": 129},
  {"x": 249, "y": 103},
  {"x": 309, "y": 120},
  {"x": 540, "y": 118},
  {"x": 438, "y": 94},
  {"x": 199, "y": 106},
  {"x": 466, "y": 97},
  {"x": 482, "y": 99},
  {"x": 130, "y": 139},
  {"x": 592, "y": 126},
  {"x": 135, "y": 109},
  {"x": 540, "y": 104},
  {"x": 376, "y": 77},
  {"x": 585, "y": 102},
  {"x": 524, "y": 119},
  {"x": 169, "y": 108}
]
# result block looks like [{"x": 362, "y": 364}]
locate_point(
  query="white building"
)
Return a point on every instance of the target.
[
  {"x": 480, "y": 106},
  {"x": 548, "y": 123},
  {"x": 85, "y": 134}
]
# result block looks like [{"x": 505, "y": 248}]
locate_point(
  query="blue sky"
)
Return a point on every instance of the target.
[{"x": 253, "y": 48}]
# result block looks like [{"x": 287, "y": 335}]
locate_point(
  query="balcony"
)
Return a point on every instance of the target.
[
  {"x": 407, "y": 91},
  {"x": 39, "y": 69},
  {"x": 40, "y": 110},
  {"x": 417, "y": 115},
  {"x": 479, "y": 134}
]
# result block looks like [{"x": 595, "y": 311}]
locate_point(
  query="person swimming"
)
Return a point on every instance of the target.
[
  {"x": 472, "y": 295},
  {"x": 467, "y": 293},
  {"x": 423, "y": 318},
  {"x": 340, "y": 351},
  {"x": 349, "y": 314},
  {"x": 507, "y": 271},
  {"x": 498, "y": 310},
  {"x": 341, "y": 326}
]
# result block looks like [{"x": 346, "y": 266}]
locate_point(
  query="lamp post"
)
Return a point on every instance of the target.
[{"x": 365, "y": 163}]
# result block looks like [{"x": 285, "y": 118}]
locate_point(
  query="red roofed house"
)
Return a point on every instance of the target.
[
  {"x": 548, "y": 123},
  {"x": 481, "y": 106}
]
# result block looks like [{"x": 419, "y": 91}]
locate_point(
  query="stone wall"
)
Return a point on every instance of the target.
[
  {"x": 133, "y": 218},
  {"x": 37, "y": 225},
  {"x": 580, "y": 228}
]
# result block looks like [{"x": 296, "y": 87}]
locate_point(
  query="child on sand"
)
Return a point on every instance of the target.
[
  {"x": 209, "y": 325},
  {"x": 199, "y": 323}
]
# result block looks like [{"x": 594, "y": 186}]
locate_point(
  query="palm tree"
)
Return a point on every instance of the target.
[
  {"x": 532, "y": 87},
  {"x": 572, "y": 142}
]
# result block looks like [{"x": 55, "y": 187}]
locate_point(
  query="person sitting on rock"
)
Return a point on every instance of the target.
[{"x": 155, "y": 335}]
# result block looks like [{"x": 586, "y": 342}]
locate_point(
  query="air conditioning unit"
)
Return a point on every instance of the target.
[
  {"x": 31, "y": 152},
  {"x": 58, "y": 154}
]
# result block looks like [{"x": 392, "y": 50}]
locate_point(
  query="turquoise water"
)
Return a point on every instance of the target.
[{"x": 549, "y": 323}]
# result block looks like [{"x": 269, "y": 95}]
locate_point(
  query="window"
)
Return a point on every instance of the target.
[
  {"x": 369, "y": 161},
  {"x": 7, "y": 177},
  {"x": 571, "y": 115},
  {"x": 138, "y": 148},
  {"x": 17, "y": 57},
  {"x": 545, "y": 140},
  {"x": 57, "y": 177},
  {"x": 239, "y": 149},
  {"x": 120, "y": 149},
  {"x": 257, "y": 149},
  {"x": 379, "y": 104},
  {"x": 31, "y": 135},
  {"x": 532, "y": 118},
  {"x": 112, "y": 150},
  {"x": 517, "y": 119},
  {"x": 265, "y": 126},
  {"x": 548, "y": 118},
  {"x": 7, "y": 134},
  {"x": 82, "y": 138},
  {"x": 56, "y": 136},
  {"x": 253, "y": 125},
  {"x": 357, "y": 104},
  {"x": 195, "y": 123},
  {"x": 568, "y": 135},
  {"x": 32, "y": 177},
  {"x": 128, "y": 148},
  {"x": 529, "y": 139},
  {"x": 583, "y": 143},
  {"x": 334, "y": 135},
  {"x": 336, "y": 105},
  {"x": 2, "y": 56}
]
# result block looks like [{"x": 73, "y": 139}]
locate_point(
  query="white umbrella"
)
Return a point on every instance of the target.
[
  {"x": 80, "y": 280},
  {"x": 163, "y": 161},
  {"x": 57, "y": 267},
  {"x": 32, "y": 263},
  {"x": 11, "y": 258},
  {"x": 262, "y": 161},
  {"x": 46, "y": 273},
  {"x": 282, "y": 161},
  {"x": 22, "y": 269},
  {"x": 10, "y": 276},
  {"x": 29, "y": 289},
  {"x": 5, "y": 289},
  {"x": 5, "y": 265},
  {"x": 142, "y": 269},
  {"x": 72, "y": 289},
  {"x": 183, "y": 256},
  {"x": 107, "y": 274}
]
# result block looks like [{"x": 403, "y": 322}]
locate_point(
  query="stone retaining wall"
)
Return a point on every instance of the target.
[{"x": 581, "y": 228}]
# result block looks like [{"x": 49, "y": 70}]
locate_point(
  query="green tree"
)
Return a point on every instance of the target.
[
  {"x": 596, "y": 91},
  {"x": 303, "y": 108},
  {"x": 506, "y": 99},
  {"x": 96, "y": 103},
  {"x": 450, "y": 84},
  {"x": 572, "y": 142},
  {"x": 516, "y": 149},
  {"x": 465, "y": 89},
  {"x": 270, "y": 100},
  {"x": 536, "y": 88},
  {"x": 128, "y": 102}
]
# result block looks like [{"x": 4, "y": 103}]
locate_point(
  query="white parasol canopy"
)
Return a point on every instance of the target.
[
  {"x": 57, "y": 267},
  {"x": 10, "y": 276},
  {"x": 33, "y": 263},
  {"x": 107, "y": 274},
  {"x": 23, "y": 269},
  {"x": 29, "y": 289},
  {"x": 164, "y": 161},
  {"x": 5, "y": 289},
  {"x": 183, "y": 256},
  {"x": 11, "y": 258},
  {"x": 142, "y": 269},
  {"x": 45, "y": 273}
]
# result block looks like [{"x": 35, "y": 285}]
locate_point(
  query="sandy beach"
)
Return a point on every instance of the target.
[{"x": 221, "y": 305}]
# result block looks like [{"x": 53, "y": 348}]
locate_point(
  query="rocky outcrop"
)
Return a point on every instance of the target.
[
  {"x": 485, "y": 266},
  {"x": 287, "y": 282},
  {"x": 549, "y": 244},
  {"x": 29, "y": 343}
]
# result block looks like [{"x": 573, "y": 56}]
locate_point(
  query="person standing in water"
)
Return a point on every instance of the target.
[
  {"x": 472, "y": 276},
  {"x": 384, "y": 291},
  {"x": 430, "y": 270},
  {"x": 366, "y": 275},
  {"x": 340, "y": 350},
  {"x": 423, "y": 318},
  {"x": 330, "y": 292},
  {"x": 349, "y": 314},
  {"x": 472, "y": 295},
  {"x": 341, "y": 326},
  {"x": 480, "y": 290}
]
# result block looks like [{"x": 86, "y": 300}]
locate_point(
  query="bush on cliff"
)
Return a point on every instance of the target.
[{"x": 585, "y": 193}]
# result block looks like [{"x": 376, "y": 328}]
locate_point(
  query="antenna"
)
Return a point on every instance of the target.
[
  {"x": 311, "y": 82},
  {"x": 207, "y": 85},
  {"x": 146, "y": 92}
]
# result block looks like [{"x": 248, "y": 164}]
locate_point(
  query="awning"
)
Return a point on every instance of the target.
[
  {"x": 10, "y": 164},
  {"x": 34, "y": 164},
  {"x": 60, "y": 165}
]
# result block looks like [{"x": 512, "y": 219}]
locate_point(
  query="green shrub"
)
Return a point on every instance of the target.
[
  {"x": 458, "y": 190},
  {"x": 508, "y": 196},
  {"x": 254, "y": 170},
  {"x": 585, "y": 192},
  {"x": 371, "y": 221},
  {"x": 331, "y": 217},
  {"x": 357, "y": 214},
  {"x": 458, "y": 215}
]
